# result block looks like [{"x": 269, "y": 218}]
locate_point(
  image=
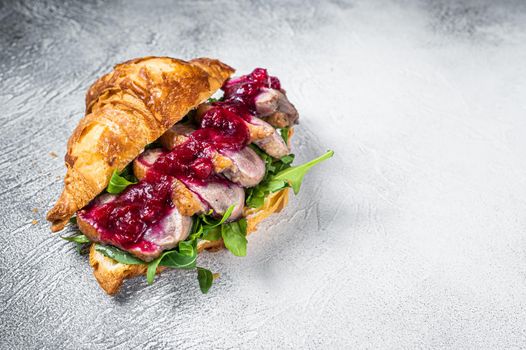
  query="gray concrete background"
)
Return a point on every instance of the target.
[{"x": 412, "y": 236}]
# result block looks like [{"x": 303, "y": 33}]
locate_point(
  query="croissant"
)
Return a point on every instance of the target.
[
  {"x": 125, "y": 110},
  {"x": 207, "y": 172}
]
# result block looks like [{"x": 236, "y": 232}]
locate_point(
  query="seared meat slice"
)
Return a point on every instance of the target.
[
  {"x": 185, "y": 200},
  {"x": 163, "y": 235},
  {"x": 191, "y": 198},
  {"x": 259, "y": 131},
  {"x": 174, "y": 228},
  {"x": 146, "y": 159},
  {"x": 273, "y": 144},
  {"x": 176, "y": 135},
  {"x": 275, "y": 106},
  {"x": 247, "y": 170},
  {"x": 278, "y": 120},
  {"x": 220, "y": 195}
]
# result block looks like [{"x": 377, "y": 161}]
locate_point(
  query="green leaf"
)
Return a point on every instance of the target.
[
  {"x": 78, "y": 238},
  {"x": 211, "y": 228},
  {"x": 294, "y": 175},
  {"x": 275, "y": 186},
  {"x": 212, "y": 234},
  {"x": 234, "y": 236},
  {"x": 196, "y": 230},
  {"x": 81, "y": 241},
  {"x": 118, "y": 183},
  {"x": 255, "y": 196},
  {"x": 285, "y": 134},
  {"x": 212, "y": 100},
  {"x": 174, "y": 259},
  {"x": 255, "y": 201},
  {"x": 152, "y": 269},
  {"x": 211, "y": 224},
  {"x": 73, "y": 220},
  {"x": 118, "y": 254},
  {"x": 287, "y": 159},
  {"x": 186, "y": 248},
  {"x": 205, "y": 279}
]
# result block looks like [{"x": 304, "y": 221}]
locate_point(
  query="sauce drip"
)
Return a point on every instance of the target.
[{"x": 123, "y": 221}]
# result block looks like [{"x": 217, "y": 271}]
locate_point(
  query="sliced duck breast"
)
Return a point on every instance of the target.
[
  {"x": 273, "y": 145},
  {"x": 219, "y": 196},
  {"x": 164, "y": 234},
  {"x": 247, "y": 170},
  {"x": 275, "y": 106}
]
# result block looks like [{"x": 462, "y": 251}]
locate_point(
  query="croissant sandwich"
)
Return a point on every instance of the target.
[{"x": 158, "y": 170}]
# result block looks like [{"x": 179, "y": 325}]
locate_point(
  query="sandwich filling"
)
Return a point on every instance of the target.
[{"x": 204, "y": 166}]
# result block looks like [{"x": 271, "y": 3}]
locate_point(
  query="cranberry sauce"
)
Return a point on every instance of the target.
[
  {"x": 124, "y": 220},
  {"x": 222, "y": 128},
  {"x": 243, "y": 90}
]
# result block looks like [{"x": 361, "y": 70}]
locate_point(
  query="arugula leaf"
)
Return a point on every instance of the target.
[
  {"x": 185, "y": 258},
  {"x": 186, "y": 248},
  {"x": 205, "y": 279},
  {"x": 118, "y": 183},
  {"x": 118, "y": 254},
  {"x": 289, "y": 158},
  {"x": 77, "y": 238},
  {"x": 255, "y": 196},
  {"x": 80, "y": 240},
  {"x": 152, "y": 269},
  {"x": 210, "y": 228},
  {"x": 279, "y": 174},
  {"x": 255, "y": 201},
  {"x": 73, "y": 220},
  {"x": 212, "y": 234},
  {"x": 294, "y": 175},
  {"x": 234, "y": 236},
  {"x": 285, "y": 134},
  {"x": 173, "y": 258},
  {"x": 275, "y": 185},
  {"x": 226, "y": 215}
]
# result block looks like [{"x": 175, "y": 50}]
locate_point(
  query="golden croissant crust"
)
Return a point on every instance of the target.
[{"x": 125, "y": 110}]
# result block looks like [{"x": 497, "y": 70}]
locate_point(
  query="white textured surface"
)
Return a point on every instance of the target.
[{"x": 412, "y": 236}]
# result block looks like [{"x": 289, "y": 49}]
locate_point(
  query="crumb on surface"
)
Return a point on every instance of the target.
[
  {"x": 215, "y": 276},
  {"x": 34, "y": 222},
  {"x": 35, "y": 210},
  {"x": 53, "y": 154}
]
